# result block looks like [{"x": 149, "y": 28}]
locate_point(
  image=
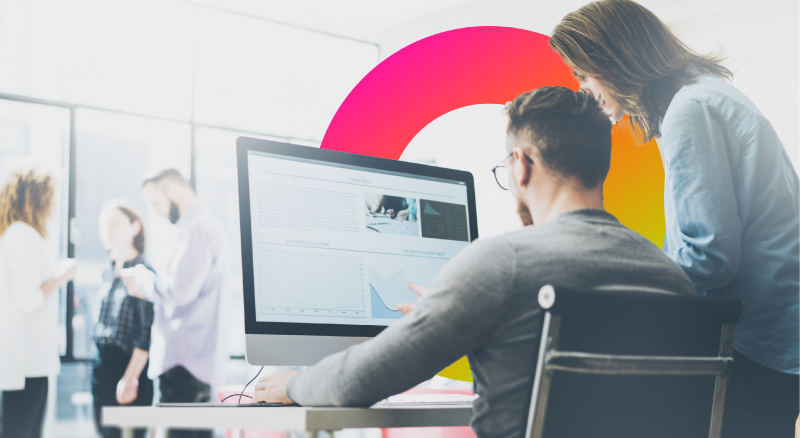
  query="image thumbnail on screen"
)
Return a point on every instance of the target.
[{"x": 391, "y": 214}]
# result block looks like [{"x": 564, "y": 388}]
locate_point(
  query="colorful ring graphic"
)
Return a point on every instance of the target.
[{"x": 484, "y": 65}]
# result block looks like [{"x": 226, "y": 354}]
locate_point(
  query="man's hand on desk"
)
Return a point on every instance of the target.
[
  {"x": 272, "y": 388},
  {"x": 421, "y": 291}
]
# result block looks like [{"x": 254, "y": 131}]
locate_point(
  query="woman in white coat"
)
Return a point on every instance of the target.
[{"x": 29, "y": 281}]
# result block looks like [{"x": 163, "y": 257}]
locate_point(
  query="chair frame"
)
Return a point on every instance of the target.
[{"x": 551, "y": 360}]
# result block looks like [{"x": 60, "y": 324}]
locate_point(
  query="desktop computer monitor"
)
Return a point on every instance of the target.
[{"x": 330, "y": 241}]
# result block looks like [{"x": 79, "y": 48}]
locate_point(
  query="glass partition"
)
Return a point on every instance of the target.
[
  {"x": 114, "y": 153},
  {"x": 115, "y": 89},
  {"x": 39, "y": 134}
]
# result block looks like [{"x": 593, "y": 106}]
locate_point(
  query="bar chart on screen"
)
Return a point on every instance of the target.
[{"x": 295, "y": 283}]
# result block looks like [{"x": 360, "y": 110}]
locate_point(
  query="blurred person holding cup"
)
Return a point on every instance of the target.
[{"x": 29, "y": 282}]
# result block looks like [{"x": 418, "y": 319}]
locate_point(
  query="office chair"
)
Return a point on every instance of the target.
[{"x": 628, "y": 364}]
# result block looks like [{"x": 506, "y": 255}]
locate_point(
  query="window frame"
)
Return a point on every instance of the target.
[{"x": 67, "y": 223}]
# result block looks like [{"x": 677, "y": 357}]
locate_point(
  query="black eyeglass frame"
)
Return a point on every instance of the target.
[{"x": 500, "y": 164}]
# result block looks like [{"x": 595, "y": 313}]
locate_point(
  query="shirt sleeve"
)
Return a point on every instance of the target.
[
  {"x": 465, "y": 306},
  {"x": 25, "y": 265},
  {"x": 700, "y": 182},
  {"x": 187, "y": 270},
  {"x": 144, "y": 315}
]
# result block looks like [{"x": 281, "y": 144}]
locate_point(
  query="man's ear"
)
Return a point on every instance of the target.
[{"x": 524, "y": 169}]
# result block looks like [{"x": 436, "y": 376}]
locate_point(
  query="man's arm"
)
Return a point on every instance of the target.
[
  {"x": 701, "y": 185},
  {"x": 190, "y": 263},
  {"x": 465, "y": 306}
]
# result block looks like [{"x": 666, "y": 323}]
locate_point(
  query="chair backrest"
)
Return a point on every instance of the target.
[{"x": 631, "y": 364}]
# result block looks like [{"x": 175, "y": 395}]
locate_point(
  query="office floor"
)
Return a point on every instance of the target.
[{"x": 74, "y": 429}]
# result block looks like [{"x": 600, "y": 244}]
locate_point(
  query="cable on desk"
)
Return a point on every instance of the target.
[{"x": 242, "y": 394}]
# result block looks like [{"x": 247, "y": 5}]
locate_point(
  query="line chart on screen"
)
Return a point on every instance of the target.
[{"x": 311, "y": 284}]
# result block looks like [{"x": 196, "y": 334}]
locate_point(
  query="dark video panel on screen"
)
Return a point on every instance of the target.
[{"x": 442, "y": 220}]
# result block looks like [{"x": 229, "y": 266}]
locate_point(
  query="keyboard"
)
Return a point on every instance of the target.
[
  {"x": 219, "y": 405},
  {"x": 428, "y": 399},
  {"x": 395, "y": 400}
]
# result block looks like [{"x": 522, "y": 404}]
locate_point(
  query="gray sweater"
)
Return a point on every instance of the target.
[{"x": 484, "y": 305}]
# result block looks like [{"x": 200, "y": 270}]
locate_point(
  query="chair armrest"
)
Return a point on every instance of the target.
[{"x": 589, "y": 363}]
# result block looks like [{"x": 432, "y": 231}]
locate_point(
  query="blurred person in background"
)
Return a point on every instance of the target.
[
  {"x": 731, "y": 196},
  {"x": 122, "y": 332},
  {"x": 186, "y": 354},
  {"x": 29, "y": 281}
]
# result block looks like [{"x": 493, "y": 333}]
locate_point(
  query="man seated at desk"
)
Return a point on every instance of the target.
[{"x": 484, "y": 302}]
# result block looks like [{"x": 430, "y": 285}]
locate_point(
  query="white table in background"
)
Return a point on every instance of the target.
[{"x": 286, "y": 419}]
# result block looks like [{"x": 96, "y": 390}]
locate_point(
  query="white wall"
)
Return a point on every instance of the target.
[
  {"x": 761, "y": 39},
  {"x": 471, "y": 139}
]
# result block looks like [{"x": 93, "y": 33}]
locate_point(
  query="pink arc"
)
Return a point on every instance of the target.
[{"x": 439, "y": 74}]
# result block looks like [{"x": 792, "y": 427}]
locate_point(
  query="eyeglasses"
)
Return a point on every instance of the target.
[{"x": 501, "y": 171}]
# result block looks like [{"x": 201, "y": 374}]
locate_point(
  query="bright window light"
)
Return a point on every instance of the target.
[
  {"x": 259, "y": 76},
  {"x": 133, "y": 56}
]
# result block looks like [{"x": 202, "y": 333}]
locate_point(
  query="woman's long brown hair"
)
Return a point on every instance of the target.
[
  {"x": 27, "y": 197},
  {"x": 625, "y": 47},
  {"x": 130, "y": 212}
]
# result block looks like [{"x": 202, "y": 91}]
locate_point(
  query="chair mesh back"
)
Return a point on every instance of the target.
[
  {"x": 629, "y": 406},
  {"x": 590, "y": 405}
]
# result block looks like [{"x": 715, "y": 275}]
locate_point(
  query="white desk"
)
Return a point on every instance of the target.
[{"x": 286, "y": 419}]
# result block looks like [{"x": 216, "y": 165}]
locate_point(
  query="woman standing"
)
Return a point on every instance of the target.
[
  {"x": 731, "y": 194},
  {"x": 122, "y": 332},
  {"x": 29, "y": 281}
]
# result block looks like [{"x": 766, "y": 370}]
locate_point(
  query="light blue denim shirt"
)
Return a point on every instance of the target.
[{"x": 732, "y": 206}]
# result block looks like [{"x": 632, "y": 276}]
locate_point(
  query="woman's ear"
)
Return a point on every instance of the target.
[{"x": 137, "y": 227}]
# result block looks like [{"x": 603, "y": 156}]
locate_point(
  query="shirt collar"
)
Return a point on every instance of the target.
[
  {"x": 586, "y": 214},
  {"x": 130, "y": 263}
]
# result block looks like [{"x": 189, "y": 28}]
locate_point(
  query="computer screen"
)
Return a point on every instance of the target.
[{"x": 336, "y": 243}]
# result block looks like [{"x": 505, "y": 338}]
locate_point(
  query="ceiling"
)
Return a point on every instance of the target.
[{"x": 366, "y": 20}]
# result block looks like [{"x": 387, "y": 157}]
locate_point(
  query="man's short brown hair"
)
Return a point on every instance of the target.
[{"x": 566, "y": 130}]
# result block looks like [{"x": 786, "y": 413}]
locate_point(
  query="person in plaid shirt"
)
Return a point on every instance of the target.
[{"x": 122, "y": 332}]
